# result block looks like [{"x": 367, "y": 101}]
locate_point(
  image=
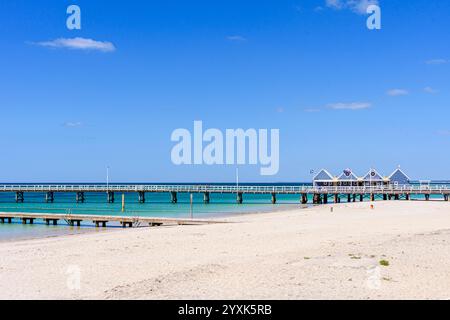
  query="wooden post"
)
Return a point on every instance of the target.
[
  {"x": 123, "y": 202},
  {"x": 325, "y": 198},
  {"x": 361, "y": 197}
]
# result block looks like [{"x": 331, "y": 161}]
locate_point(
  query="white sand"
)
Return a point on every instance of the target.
[{"x": 300, "y": 254}]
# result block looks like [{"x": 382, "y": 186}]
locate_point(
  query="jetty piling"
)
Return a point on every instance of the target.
[
  {"x": 49, "y": 197},
  {"x": 173, "y": 197},
  {"x": 206, "y": 197},
  {"x": 141, "y": 197},
  {"x": 80, "y": 197},
  {"x": 239, "y": 198},
  {"x": 110, "y": 197}
]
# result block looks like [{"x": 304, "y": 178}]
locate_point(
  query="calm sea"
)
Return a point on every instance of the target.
[{"x": 156, "y": 205}]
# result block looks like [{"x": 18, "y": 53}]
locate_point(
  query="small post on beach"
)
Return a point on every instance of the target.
[
  {"x": 123, "y": 202},
  {"x": 274, "y": 198}
]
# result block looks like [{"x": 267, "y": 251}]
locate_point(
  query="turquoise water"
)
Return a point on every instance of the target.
[{"x": 156, "y": 205}]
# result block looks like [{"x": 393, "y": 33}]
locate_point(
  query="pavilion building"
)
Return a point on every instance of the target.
[{"x": 372, "y": 178}]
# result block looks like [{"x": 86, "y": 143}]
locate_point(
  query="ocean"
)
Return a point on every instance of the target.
[{"x": 156, "y": 205}]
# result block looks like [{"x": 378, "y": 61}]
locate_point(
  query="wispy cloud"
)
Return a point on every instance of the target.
[
  {"x": 236, "y": 38},
  {"x": 397, "y": 92},
  {"x": 437, "y": 61},
  {"x": 311, "y": 110},
  {"x": 357, "y": 6},
  {"x": 72, "y": 124},
  {"x": 350, "y": 106},
  {"x": 78, "y": 44},
  {"x": 444, "y": 132},
  {"x": 430, "y": 90}
]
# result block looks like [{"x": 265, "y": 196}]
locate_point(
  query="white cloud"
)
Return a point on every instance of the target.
[
  {"x": 236, "y": 38},
  {"x": 350, "y": 106},
  {"x": 397, "y": 92},
  {"x": 72, "y": 124},
  {"x": 437, "y": 61},
  {"x": 357, "y": 6},
  {"x": 79, "y": 44},
  {"x": 430, "y": 90}
]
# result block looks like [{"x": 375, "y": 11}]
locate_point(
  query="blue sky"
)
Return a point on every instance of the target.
[{"x": 341, "y": 95}]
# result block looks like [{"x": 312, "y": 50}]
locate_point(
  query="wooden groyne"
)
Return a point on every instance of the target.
[{"x": 99, "y": 220}]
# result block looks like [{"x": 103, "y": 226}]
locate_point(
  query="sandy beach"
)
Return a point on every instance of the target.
[{"x": 398, "y": 250}]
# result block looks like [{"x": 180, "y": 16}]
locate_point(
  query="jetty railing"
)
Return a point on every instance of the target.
[{"x": 225, "y": 189}]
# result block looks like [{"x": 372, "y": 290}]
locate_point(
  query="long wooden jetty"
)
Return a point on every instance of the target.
[
  {"x": 98, "y": 220},
  {"x": 317, "y": 194}
]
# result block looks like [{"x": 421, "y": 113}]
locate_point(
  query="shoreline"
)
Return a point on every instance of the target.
[
  {"x": 309, "y": 253},
  {"x": 66, "y": 230}
]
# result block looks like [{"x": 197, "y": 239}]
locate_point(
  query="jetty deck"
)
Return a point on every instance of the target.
[
  {"x": 319, "y": 194},
  {"x": 99, "y": 220}
]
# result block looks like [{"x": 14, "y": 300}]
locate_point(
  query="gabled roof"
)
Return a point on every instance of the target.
[
  {"x": 351, "y": 177},
  {"x": 399, "y": 171},
  {"x": 323, "y": 175},
  {"x": 373, "y": 175}
]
